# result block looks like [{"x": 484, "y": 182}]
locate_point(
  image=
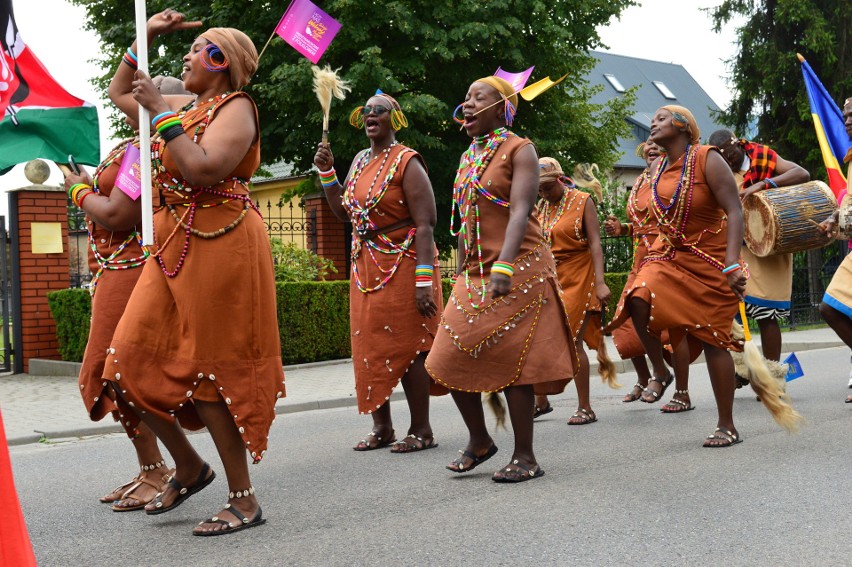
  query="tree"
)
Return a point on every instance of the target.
[
  {"x": 426, "y": 53},
  {"x": 767, "y": 81}
]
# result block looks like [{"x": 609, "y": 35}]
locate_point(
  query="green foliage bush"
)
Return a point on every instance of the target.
[
  {"x": 72, "y": 311},
  {"x": 294, "y": 264}
]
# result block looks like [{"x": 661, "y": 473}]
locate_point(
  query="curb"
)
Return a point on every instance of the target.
[
  {"x": 62, "y": 368},
  {"x": 110, "y": 427}
]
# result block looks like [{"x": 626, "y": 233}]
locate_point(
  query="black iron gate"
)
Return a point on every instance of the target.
[{"x": 5, "y": 300}]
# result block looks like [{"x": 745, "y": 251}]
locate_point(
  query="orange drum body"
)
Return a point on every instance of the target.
[{"x": 783, "y": 220}]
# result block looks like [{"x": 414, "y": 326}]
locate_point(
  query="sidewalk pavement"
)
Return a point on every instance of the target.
[{"x": 46, "y": 404}]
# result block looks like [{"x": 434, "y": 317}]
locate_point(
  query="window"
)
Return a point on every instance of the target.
[
  {"x": 616, "y": 84},
  {"x": 661, "y": 86}
]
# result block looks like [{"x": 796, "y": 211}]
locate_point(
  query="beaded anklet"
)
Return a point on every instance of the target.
[
  {"x": 155, "y": 466},
  {"x": 241, "y": 493}
]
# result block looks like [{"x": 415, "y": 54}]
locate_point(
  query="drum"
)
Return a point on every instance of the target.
[
  {"x": 784, "y": 220},
  {"x": 844, "y": 220}
]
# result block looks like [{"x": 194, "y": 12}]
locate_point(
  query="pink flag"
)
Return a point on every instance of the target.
[
  {"x": 129, "y": 178},
  {"x": 307, "y": 28},
  {"x": 517, "y": 80}
]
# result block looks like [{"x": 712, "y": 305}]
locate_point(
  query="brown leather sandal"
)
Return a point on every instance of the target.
[
  {"x": 129, "y": 493},
  {"x": 118, "y": 492}
]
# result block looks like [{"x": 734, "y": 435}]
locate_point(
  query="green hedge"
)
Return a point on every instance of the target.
[
  {"x": 615, "y": 282},
  {"x": 72, "y": 311},
  {"x": 314, "y": 321},
  {"x": 313, "y": 318}
]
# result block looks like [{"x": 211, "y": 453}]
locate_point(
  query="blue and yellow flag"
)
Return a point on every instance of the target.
[{"x": 830, "y": 130}]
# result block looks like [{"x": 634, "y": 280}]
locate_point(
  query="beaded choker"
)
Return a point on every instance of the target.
[{"x": 466, "y": 190}]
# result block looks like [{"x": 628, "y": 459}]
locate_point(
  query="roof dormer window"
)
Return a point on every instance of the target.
[
  {"x": 664, "y": 90},
  {"x": 616, "y": 84}
]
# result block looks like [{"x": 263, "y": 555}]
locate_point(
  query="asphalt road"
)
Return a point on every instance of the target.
[{"x": 636, "y": 488}]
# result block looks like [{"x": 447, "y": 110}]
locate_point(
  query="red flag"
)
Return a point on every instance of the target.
[{"x": 38, "y": 118}]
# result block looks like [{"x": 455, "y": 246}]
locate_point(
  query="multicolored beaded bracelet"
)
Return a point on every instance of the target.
[
  {"x": 78, "y": 192},
  {"x": 731, "y": 268},
  {"x": 768, "y": 181},
  {"x": 160, "y": 116},
  {"x": 423, "y": 275},
  {"x": 131, "y": 59},
  {"x": 328, "y": 178},
  {"x": 504, "y": 268}
]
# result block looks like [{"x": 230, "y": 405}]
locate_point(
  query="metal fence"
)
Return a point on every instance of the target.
[
  {"x": 290, "y": 224},
  {"x": 78, "y": 248}
]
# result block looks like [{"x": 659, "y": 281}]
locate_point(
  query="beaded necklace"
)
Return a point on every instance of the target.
[
  {"x": 675, "y": 223},
  {"x": 360, "y": 214},
  {"x": 110, "y": 262},
  {"x": 187, "y": 115},
  {"x": 660, "y": 168},
  {"x": 547, "y": 223},
  {"x": 169, "y": 184},
  {"x": 362, "y": 223},
  {"x": 466, "y": 190}
]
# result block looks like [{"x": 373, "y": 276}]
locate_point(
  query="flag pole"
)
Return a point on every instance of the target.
[{"x": 144, "y": 128}]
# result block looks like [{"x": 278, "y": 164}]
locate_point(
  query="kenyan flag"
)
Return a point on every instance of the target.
[{"x": 38, "y": 118}]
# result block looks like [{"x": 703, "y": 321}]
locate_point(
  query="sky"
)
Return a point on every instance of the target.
[{"x": 673, "y": 31}]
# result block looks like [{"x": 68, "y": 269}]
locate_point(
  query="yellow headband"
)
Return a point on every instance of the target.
[{"x": 502, "y": 86}]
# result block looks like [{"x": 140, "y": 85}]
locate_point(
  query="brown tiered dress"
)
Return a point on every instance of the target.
[
  {"x": 522, "y": 338},
  {"x": 644, "y": 229},
  {"x": 387, "y": 330},
  {"x": 687, "y": 295},
  {"x": 116, "y": 269},
  {"x": 574, "y": 266},
  {"x": 210, "y": 332}
]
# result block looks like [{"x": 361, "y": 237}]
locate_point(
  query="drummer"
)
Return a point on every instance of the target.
[
  {"x": 756, "y": 168},
  {"x": 836, "y": 306}
]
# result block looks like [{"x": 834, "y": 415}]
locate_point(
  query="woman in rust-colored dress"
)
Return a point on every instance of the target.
[
  {"x": 569, "y": 222},
  {"x": 692, "y": 279},
  {"x": 395, "y": 287},
  {"x": 199, "y": 338},
  {"x": 506, "y": 328},
  {"x": 643, "y": 228},
  {"x": 116, "y": 257}
]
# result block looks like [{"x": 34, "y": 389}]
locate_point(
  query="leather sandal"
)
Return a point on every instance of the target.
[
  {"x": 582, "y": 417},
  {"x": 229, "y": 528},
  {"x": 364, "y": 445},
  {"x": 184, "y": 492},
  {"x": 118, "y": 492},
  {"x": 665, "y": 384},
  {"x": 631, "y": 397},
  {"x": 158, "y": 487},
  {"x": 677, "y": 406}
]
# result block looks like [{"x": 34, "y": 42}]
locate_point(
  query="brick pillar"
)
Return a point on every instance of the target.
[
  {"x": 37, "y": 273},
  {"x": 329, "y": 236}
]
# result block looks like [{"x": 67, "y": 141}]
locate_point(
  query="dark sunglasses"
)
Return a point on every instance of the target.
[{"x": 378, "y": 110}]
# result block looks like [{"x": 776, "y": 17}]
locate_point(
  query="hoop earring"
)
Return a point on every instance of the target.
[
  {"x": 455, "y": 115},
  {"x": 398, "y": 120},
  {"x": 207, "y": 55},
  {"x": 356, "y": 119}
]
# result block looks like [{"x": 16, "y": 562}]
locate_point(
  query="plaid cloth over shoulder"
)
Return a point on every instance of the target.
[{"x": 763, "y": 162}]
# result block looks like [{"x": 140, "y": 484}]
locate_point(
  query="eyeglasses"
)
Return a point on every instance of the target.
[{"x": 377, "y": 109}]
